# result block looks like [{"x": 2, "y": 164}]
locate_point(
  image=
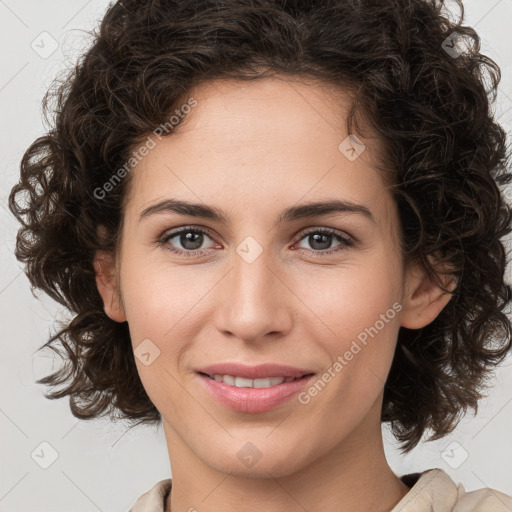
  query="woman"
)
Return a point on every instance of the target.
[{"x": 279, "y": 225}]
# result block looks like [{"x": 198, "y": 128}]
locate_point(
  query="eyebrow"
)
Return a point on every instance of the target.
[{"x": 302, "y": 211}]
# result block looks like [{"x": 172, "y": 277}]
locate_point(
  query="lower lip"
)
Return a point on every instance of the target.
[{"x": 253, "y": 400}]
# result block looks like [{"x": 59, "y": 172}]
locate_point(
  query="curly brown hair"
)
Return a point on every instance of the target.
[{"x": 429, "y": 106}]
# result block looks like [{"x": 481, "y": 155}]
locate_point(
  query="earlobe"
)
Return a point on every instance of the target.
[
  {"x": 423, "y": 298},
  {"x": 104, "y": 268}
]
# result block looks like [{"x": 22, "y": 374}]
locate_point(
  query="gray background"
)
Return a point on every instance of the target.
[{"x": 101, "y": 465}]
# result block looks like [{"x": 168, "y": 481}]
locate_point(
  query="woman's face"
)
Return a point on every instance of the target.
[{"x": 270, "y": 282}]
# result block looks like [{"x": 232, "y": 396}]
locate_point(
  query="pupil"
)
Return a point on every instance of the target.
[
  {"x": 319, "y": 238},
  {"x": 189, "y": 241}
]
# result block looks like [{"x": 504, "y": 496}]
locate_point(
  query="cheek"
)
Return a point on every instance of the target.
[
  {"x": 351, "y": 299},
  {"x": 159, "y": 311},
  {"x": 356, "y": 320},
  {"x": 360, "y": 360},
  {"x": 157, "y": 300}
]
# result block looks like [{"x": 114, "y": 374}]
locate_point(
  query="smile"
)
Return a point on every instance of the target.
[{"x": 252, "y": 396}]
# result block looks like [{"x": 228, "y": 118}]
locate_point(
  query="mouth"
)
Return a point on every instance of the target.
[{"x": 252, "y": 396}]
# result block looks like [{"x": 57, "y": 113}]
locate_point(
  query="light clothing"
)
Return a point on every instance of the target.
[
  {"x": 435, "y": 491},
  {"x": 431, "y": 491}
]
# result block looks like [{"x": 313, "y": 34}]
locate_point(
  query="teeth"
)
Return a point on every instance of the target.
[{"x": 242, "y": 382}]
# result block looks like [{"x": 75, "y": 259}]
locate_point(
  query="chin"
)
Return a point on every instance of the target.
[{"x": 249, "y": 461}]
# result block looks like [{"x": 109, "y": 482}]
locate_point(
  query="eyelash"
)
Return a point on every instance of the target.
[{"x": 345, "y": 241}]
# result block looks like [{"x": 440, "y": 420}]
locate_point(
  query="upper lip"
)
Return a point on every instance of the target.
[{"x": 260, "y": 371}]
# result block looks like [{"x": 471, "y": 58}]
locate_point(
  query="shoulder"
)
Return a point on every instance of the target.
[
  {"x": 483, "y": 500},
  {"x": 154, "y": 499},
  {"x": 435, "y": 491}
]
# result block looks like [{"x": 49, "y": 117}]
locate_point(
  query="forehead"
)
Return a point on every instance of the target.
[{"x": 256, "y": 145}]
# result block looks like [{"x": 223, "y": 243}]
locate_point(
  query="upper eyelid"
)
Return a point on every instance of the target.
[{"x": 176, "y": 231}]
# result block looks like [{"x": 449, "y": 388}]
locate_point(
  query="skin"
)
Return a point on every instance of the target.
[{"x": 253, "y": 149}]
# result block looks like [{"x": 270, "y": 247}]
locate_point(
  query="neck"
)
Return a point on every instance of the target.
[{"x": 354, "y": 476}]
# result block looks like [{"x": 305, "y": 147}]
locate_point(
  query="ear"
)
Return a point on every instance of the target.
[
  {"x": 424, "y": 299},
  {"x": 104, "y": 267}
]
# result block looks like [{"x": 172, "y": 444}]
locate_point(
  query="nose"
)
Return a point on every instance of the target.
[{"x": 254, "y": 299}]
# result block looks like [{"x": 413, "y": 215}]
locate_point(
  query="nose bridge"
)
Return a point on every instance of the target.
[{"x": 253, "y": 298}]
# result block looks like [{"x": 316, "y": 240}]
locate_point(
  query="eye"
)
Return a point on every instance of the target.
[
  {"x": 321, "y": 239},
  {"x": 191, "y": 239}
]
